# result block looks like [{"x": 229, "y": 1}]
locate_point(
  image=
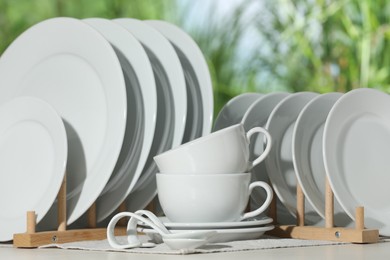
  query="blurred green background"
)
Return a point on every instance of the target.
[{"x": 252, "y": 46}]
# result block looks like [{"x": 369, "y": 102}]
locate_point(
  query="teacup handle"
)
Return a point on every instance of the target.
[
  {"x": 267, "y": 148},
  {"x": 266, "y": 203}
]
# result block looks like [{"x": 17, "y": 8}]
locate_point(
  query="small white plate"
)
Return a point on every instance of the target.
[
  {"x": 279, "y": 164},
  {"x": 234, "y": 110},
  {"x": 71, "y": 66},
  {"x": 141, "y": 114},
  {"x": 223, "y": 235},
  {"x": 197, "y": 76},
  {"x": 255, "y": 222},
  {"x": 356, "y": 155},
  {"x": 308, "y": 158},
  {"x": 33, "y": 155}
]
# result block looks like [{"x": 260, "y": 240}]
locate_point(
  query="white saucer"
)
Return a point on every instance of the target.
[
  {"x": 308, "y": 158},
  {"x": 33, "y": 155},
  {"x": 356, "y": 155},
  {"x": 256, "y": 222},
  {"x": 279, "y": 164},
  {"x": 234, "y": 110},
  {"x": 223, "y": 235}
]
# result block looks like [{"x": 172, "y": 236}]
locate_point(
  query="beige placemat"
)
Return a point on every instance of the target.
[{"x": 265, "y": 242}]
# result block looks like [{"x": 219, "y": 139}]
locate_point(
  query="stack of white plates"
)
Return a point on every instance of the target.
[
  {"x": 122, "y": 91},
  {"x": 342, "y": 137}
]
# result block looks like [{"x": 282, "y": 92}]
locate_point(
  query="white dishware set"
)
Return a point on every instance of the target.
[
  {"x": 342, "y": 137},
  {"x": 205, "y": 185},
  {"x": 94, "y": 100}
]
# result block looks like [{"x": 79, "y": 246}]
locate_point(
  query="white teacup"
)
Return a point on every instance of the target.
[
  {"x": 226, "y": 150},
  {"x": 201, "y": 198}
]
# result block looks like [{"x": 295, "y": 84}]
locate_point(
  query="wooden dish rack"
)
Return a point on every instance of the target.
[{"x": 359, "y": 234}]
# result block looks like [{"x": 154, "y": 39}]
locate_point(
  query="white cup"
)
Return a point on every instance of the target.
[
  {"x": 204, "y": 198},
  {"x": 224, "y": 151}
]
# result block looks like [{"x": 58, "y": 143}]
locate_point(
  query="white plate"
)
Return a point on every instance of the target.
[
  {"x": 33, "y": 154},
  {"x": 255, "y": 222},
  {"x": 279, "y": 163},
  {"x": 257, "y": 115},
  {"x": 223, "y": 235},
  {"x": 308, "y": 158},
  {"x": 171, "y": 93},
  {"x": 197, "y": 76},
  {"x": 72, "y": 67},
  {"x": 141, "y": 114},
  {"x": 356, "y": 155},
  {"x": 234, "y": 110}
]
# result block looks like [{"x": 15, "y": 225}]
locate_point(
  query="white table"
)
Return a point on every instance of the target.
[{"x": 349, "y": 251}]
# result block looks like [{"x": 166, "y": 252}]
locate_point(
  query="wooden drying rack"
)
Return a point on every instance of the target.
[
  {"x": 32, "y": 239},
  {"x": 359, "y": 234}
]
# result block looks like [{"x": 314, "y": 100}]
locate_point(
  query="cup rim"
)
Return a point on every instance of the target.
[{"x": 199, "y": 139}]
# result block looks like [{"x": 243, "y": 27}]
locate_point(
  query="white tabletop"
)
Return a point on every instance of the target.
[{"x": 349, "y": 251}]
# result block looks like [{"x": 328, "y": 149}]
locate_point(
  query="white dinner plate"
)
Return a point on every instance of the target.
[
  {"x": 171, "y": 94},
  {"x": 308, "y": 157},
  {"x": 254, "y": 222},
  {"x": 223, "y": 235},
  {"x": 197, "y": 75},
  {"x": 33, "y": 155},
  {"x": 141, "y": 114},
  {"x": 71, "y": 66},
  {"x": 356, "y": 155},
  {"x": 234, "y": 110},
  {"x": 279, "y": 165}
]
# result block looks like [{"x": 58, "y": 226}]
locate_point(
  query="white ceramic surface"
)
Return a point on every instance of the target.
[
  {"x": 226, "y": 150},
  {"x": 279, "y": 162},
  {"x": 34, "y": 150},
  {"x": 234, "y": 110},
  {"x": 171, "y": 92},
  {"x": 223, "y": 235},
  {"x": 205, "y": 198},
  {"x": 197, "y": 76},
  {"x": 308, "y": 157},
  {"x": 141, "y": 119},
  {"x": 253, "y": 222},
  {"x": 356, "y": 148},
  {"x": 68, "y": 64}
]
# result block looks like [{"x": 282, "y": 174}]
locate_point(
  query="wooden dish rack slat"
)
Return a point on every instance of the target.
[{"x": 359, "y": 234}]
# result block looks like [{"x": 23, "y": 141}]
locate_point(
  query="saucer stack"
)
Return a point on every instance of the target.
[
  {"x": 205, "y": 184},
  {"x": 342, "y": 137}
]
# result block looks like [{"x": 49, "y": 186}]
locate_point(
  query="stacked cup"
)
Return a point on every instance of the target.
[{"x": 208, "y": 179}]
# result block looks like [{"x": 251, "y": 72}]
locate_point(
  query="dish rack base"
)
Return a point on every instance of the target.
[
  {"x": 358, "y": 235},
  {"x": 33, "y": 239}
]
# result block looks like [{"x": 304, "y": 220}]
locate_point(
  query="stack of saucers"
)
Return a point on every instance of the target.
[{"x": 206, "y": 184}]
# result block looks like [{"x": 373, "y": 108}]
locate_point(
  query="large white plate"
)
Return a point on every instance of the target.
[
  {"x": 71, "y": 66},
  {"x": 254, "y": 222},
  {"x": 234, "y": 110},
  {"x": 279, "y": 165},
  {"x": 356, "y": 155},
  {"x": 308, "y": 157},
  {"x": 197, "y": 75},
  {"x": 33, "y": 155},
  {"x": 141, "y": 114},
  {"x": 223, "y": 235},
  {"x": 171, "y": 93}
]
